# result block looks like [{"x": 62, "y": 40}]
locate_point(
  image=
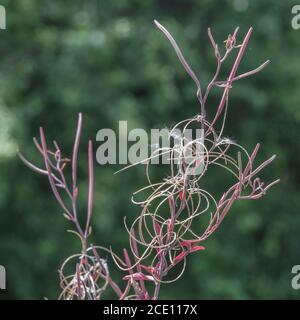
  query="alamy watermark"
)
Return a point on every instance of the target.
[
  {"x": 2, "y": 18},
  {"x": 183, "y": 148},
  {"x": 296, "y": 18},
  {"x": 2, "y": 277},
  {"x": 296, "y": 278}
]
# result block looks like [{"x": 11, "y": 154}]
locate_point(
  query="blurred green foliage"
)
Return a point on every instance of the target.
[{"x": 106, "y": 59}]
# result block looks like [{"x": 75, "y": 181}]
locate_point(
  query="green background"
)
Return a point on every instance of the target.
[{"x": 107, "y": 60}]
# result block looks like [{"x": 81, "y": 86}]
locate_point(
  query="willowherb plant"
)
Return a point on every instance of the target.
[{"x": 163, "y": 235}]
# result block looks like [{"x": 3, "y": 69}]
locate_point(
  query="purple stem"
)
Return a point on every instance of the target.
[
  {"x": 91, "y": 187},
  {"x": 75, "y": 151},
  {"x": 48, "y": 168},
  {"x": 231, "y": 77}
]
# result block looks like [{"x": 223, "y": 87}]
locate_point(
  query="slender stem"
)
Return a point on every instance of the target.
[
  {"x": 231, "y": 77},
  {"x": 91, "y": 188}
]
